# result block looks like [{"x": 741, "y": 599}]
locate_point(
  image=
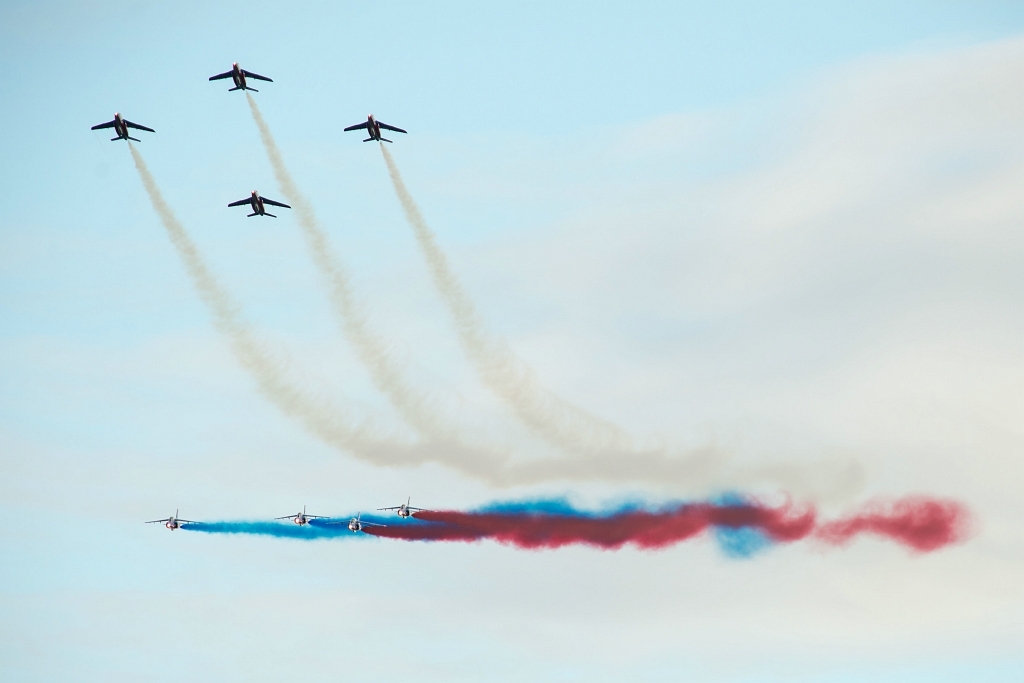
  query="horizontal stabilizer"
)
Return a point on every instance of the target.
[
  {"x": 250, "y": 216},
  {"x": 385, "y": 140},
  {"x": 135, "y": 139},
  {"x": 237, "y": 87},
  {"x": 368, "y": 140}
]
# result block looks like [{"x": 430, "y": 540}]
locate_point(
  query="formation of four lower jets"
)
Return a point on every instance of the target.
[
  {"x": 301, "y": 518},
  {"x": 239, "y": 76}
]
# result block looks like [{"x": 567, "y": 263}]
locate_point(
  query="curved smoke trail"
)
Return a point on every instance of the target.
[
  {"x": 327, "y": 422},
  {"x": 553, "y": 418},
  {"x": 414, "y": 407},
  {"x": 742, "y": 526},
  {"x": 608, "y": 451}
]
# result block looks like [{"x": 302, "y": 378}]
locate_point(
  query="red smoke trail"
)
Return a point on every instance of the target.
[{"x": 923, "y": 524}]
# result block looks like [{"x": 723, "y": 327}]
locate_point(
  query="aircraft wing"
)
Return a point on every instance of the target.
[
  {"x": 250, "y": 74},
  {"x": 286, "y": 516},
  {"x": 226, "y": 74},
  {"x": 394, "y": 508},
  {"x": 273, "y": 203},
  {"x": 418, "y": 509},
  {"x": 159, "y": 521},
  {"x": 387, "y": 127},
  {"x": 135, "y": 125},
  {"x": 240, "y": 202},
  {"x": 187, "y": 521},
  {"x": 108, "y": 124},
  {"x": 364, "y": 124}
]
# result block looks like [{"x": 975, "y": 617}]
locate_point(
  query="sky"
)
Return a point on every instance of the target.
[{"x": 786, "y": 235}]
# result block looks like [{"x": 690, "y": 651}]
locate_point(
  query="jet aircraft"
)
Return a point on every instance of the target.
[
  {"x": 373, "y": 127},
  {"x": 404, "y": 510},
  {"x": 356, "y": 524},
  {"x": 173, "y": 522},
  {"x": 301, "y": 518},
  {"x": 238, "y": 75},
  {"x": 257, "y": 203},
  {"x": 121, "y": 126}
]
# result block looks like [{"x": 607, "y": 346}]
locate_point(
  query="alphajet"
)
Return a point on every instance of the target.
[
  {"x": 356, "y": 524},
  {"x": 238, "y": 75},
  {"x": 373, "y": 127},
  {"x": 404, "y": 510},
  {"x": 121, "y": 126},
  {"x": 301, "y": 518},
  {"x": 257, "y": 203},
  {"x": 173, "y": 522}
]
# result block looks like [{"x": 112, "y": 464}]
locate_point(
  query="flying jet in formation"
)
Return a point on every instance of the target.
[
  {"x": 356, "y": 524},
  {"x": 404, "y": 510},
  {"x": 121, "y": 126},
  {"x": 257, "y": 203},
  {"x": 301, "y": 518},
  {"x": 373, "y": 127},
  {"x": 173, "y": 522},
  {"x": 238, "y": 75}
]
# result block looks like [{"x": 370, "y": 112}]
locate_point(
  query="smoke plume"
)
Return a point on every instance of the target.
[
  {"x": 742, "y": 526},
  {"x": 325, "y": 421},
  {"x": 603, "y": 450},
  {"x": 556, "y": 420},
  {"x": 329, "y": 422}
]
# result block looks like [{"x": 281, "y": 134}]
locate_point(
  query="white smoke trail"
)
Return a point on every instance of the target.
[
  {"x": 325, "y": 421},
  {"x": 604, "y": 451},
  {"x": 504, "y": 373},
  {"x": 329, "y": 423}
]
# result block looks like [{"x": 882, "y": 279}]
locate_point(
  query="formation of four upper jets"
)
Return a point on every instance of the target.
[
  {"x": 355, "y": 524},
  {"x": 239, "y": 75}
]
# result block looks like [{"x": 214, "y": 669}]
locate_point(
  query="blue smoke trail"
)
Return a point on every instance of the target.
[
  {"x": 742, "y": 542},
  {"x": 306, "y": 532}
]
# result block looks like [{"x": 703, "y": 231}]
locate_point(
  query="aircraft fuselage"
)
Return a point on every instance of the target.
[
  {"x": 257, "y": 207},
  {"x": 374, "y": 128},
  {"x": 238, "y": 76},
  {"x": 120, "y": 127}
]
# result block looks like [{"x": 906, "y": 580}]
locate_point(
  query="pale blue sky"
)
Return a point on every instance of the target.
[{"x": 789, "y": 230}]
